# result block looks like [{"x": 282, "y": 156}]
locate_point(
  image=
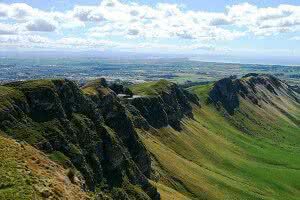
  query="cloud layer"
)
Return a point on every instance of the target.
[{"x": 112, "y": 22}]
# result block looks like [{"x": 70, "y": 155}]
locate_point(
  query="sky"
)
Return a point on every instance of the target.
[{"x": 239, "y": 29}]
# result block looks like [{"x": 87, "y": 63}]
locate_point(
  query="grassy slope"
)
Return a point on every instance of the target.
[
  {"x": 212, "y": 159},
  {"x": 150, "y": 88},
  {"x": 26, "y": 173},
  {"x": 93, "y": 88},
  {"x": 7, "y": 95}
]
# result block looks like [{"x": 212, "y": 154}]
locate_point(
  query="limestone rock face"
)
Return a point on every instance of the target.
[{"x": 93, "y": 133}]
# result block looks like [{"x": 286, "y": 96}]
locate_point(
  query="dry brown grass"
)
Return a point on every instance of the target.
[{"x": 29, "y": 174}]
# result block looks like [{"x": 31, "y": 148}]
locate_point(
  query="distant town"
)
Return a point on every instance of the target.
[{"x": 182, "y": 71}]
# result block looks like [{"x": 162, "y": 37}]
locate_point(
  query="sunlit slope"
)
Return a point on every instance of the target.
[
  {"x": 26, "y": 173},
  {"x": 252, "y": 154}
]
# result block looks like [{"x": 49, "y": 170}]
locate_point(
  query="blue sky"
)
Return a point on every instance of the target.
[
  {"x": 253, "y": 28},
  {"x": 212, "y": 5}
]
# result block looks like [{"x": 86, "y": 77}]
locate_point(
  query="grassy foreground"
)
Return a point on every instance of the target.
[
  {"x": 211, "y": 158},
  {"x": 26, "y": 173}
]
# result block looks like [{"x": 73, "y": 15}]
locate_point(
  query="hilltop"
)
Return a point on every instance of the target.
[{"x": 224, "y": 140}]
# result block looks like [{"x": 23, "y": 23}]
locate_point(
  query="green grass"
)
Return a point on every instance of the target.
[
  {"x": 33, "y": 85},
  {"x": 26, "y": 174},
  {"x": 15, "y": 183},
  {"x": 9, "y": 95},
  {"x": 92, "y": 91},
  {"x": 169, "y": 193},
  {"x": 211, "y": 158},
  {"x": 13, "y": 92},
  {"x": 94, "y": 87},
  {"x": 61, "y": 159},
  {"x": 151, "y": 88},
  {"x": 202, "y": 91}
]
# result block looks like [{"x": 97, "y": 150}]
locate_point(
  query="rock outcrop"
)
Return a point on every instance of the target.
[
  {"x": 168, "y": 107},
  {"x": 227, "y": 92}
]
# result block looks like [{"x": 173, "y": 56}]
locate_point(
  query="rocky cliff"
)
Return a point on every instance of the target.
[
  {"x": 92, "y": 130},
  {"x": 167, "y": 106},
  {"x": 256, "y": 88},
  {"x": 90, "y": 133}
]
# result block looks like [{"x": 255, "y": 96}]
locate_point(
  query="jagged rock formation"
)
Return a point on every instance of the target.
[
  {"x": 254, "y": 87},
  {"x": 167, "y": 107},
  {"x": 116, "y": 117},
  {"x": 89, "y": 132},
  {"x": 225, "y": 92}
]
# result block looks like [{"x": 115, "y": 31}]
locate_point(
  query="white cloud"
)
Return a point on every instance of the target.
[
  {"x": 242, "y": 14},
  {"x": 23, "y": 41},
  {"x": 40, "y": 25},
  {"x": 21, "y": 11},
  {"x": 151, "y": 23},
  {"x": 162, "y": 21},
  {"x": 3, "y": 10},
  {"x": 265, "y": 21},
  {"x": 133, "y": 32},
  {"x": 37, "y": 19},
  {"x": 109, "y": 3},
  {"x": 134, "y": 12},
  {"x": 88, "y": 13},
  {"x": 73, "y": 42},
  {"x": 36, "y": 41},
  {"x": 9, "y": 40},
  {"x": 219, "y": 20},
  {"x": 8, "y": 29}
]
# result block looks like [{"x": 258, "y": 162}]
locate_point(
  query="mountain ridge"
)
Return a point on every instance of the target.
[
  {"x": 118, "y": 143},
  {"x": 56, "y": 116}
]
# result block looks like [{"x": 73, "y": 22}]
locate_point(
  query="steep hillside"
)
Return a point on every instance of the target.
[
  {"x": 96, "y": 137},
  {"x": 243, "y": 143},
  {"x": 233, "y": 139},
  {"x": 258, "y": 105},
  {"x": 26, "y": 173}
]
